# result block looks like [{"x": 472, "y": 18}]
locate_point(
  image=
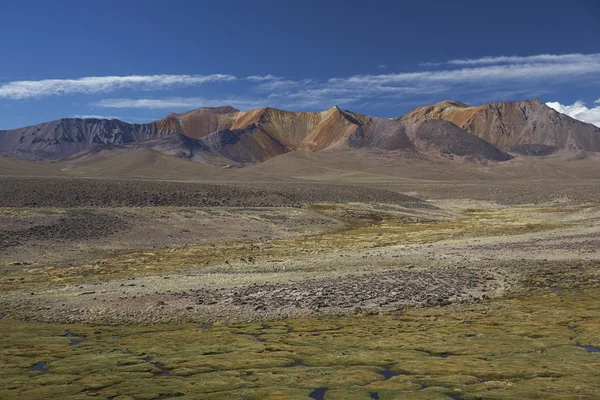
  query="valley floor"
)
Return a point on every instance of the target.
[{"x": 463, "y": 290}]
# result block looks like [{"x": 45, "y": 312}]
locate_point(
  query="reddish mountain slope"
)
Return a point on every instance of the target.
[
  {"x": 224, "y": 135},
  {"x": 202, "y": 121},
  {"x": 512, "y": 124}
]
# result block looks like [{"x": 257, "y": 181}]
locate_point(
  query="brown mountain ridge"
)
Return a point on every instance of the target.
[
  {"x": 521, "y": 126},
  {"x": 225, "y": 135}
]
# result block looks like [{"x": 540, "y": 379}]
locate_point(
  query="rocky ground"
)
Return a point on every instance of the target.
[{"x": 187, "y": 299}]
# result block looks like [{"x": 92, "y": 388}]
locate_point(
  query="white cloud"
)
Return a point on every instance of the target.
[
  {"x": 321, "y": 95},
  {"x": 520, "y": 76},
  {"x": 497, "y": 78},
  {"x": 483, "y": 75},
  {"x": 527, "y": 79},
  {"x": 431, "y": 64},
  {"x": 178, "y": 103},
  {"x": 578, "y": 110},
  {"x": 94, "y": 116},
  {"x": 554, "y": 58},
  {"x": 524, "y": 75},
  {"x": 282, "y": 84},
  {"x": 597, "y": 101},
  {"x": 262, "y": 78},
  {"x": 132, "y": 120},
  {"x": 95, "y": 84}
]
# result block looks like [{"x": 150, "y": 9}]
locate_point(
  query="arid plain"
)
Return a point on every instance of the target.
[{"x": 312, "y": 275}]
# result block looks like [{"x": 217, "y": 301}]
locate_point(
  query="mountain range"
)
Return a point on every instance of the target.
[{"x": 451, "y": 130}]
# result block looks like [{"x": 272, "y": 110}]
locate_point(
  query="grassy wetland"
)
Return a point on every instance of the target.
[{"x": 383, "y": 296}]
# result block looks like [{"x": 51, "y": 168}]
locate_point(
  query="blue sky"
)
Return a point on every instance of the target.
[{"x": 140, "y": 60}]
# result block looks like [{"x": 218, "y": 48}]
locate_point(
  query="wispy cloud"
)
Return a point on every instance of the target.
[
  {"x": 178, "y": 103},
  {"x": 283, "y": 84},
  {"x": 496, "y": 76},
  {"x": 578, "y": 110},
  {"x": 526, "y": 79},
  {"x": 262, "y": 78},
  {"x": 96, "y": 84},
  {"x": 524, "y": 76},
  {"x": 133, "y": 120},
  {"x": 431, "y": 64},
  {"x": 95, "y": 116},
  {"x": 553, "y": 58},
  {"x": 323, "y": 95},
  {"x": 597, "y": 101},
  {"x": 482, "y": 75}
]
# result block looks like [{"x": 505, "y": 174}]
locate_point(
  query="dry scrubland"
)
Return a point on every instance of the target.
[{"x": 427, "y": 290}]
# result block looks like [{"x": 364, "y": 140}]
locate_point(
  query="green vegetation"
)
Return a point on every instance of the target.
[
  {"x": 500, "y": 349},
  {"x": 530, "y": 344}
]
